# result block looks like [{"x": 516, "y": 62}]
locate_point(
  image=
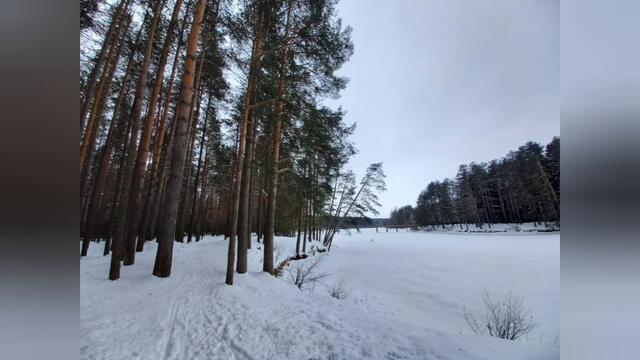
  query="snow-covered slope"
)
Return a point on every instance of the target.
[{"x": 194, "y": 315}]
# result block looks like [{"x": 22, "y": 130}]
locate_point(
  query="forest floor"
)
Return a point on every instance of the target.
[{"x": 407, "y": 293}]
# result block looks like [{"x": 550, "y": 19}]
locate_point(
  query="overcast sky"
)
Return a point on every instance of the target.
[{"x": 435, "y": 84}]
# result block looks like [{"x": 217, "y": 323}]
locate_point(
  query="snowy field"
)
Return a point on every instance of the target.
[{"x": 408, "y": 290}]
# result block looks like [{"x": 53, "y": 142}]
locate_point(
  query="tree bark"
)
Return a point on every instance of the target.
[
  {"x": 92, "y": 80},
  {"x": 161, "y": 154},
  {"x": 121, "y": 234},
  {"x": 239, "y": 165},
  {"x": 96, "y": 204},
  {"x": 267, "y": 265},
  {"x": 194, "y": 118},
  {"x": 194, "y": 200},
  {"x": 300, "y": 217},
  {"x": 244, "y": 232},
  {"x": 118, "y": 245},
  {"x": 203, "y": 195},
  {"x": 88, "y": 196},
  {"x": 97, "y": 107},
  {"x": 135, "y": 206},
  {"x": 162, "y": 267}
]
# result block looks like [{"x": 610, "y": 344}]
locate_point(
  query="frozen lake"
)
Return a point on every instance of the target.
[
  {"x": 406, "y": 302},
  {"x": 426, "y": 278}
]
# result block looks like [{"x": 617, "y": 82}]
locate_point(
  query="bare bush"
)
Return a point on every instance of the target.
[
  {"x": 339, "y": 290},
  {"x": 506, "y": 319},
  {"x": 279, "y": 270},
  {"x": 277, "y": 253},
  {"x": 306, "y": 274}
]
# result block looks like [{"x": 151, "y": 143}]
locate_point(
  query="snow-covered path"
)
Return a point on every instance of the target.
[{"x": 194, "y": 315}]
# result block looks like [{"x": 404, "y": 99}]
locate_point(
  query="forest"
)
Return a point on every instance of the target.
[
  {"x": 523, "y": 186},
  {"x": 224, "y": 213},
  {"x": 207, "y": 117}
]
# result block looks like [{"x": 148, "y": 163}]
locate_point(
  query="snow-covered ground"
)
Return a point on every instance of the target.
[{"x": 408, "y": 289}]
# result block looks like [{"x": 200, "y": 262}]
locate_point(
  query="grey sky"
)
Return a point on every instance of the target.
[{"x": 435, "y": 84}]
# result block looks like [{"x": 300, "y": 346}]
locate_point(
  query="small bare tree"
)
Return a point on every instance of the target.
[
  {"x": 277, "y": 253},
  {"x": 506, "y": 319},
  {"x": 305, "y": 275},
  {"x": 339, "y": 290}
]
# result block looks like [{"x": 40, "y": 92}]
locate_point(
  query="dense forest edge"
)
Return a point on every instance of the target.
[
  {"x": 521, "y": 187},
  {"x": 206, "y": 118}
]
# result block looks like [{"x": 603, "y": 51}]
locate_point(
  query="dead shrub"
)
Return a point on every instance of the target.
[
  {"x": 305, "y": 274},
  {"x": 505, "y": 319}
]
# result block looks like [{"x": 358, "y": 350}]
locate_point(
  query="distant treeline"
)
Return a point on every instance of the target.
[
  {"x": 523, "y": 186},
  {"x": 402, "y": 216},
  {"x": 362, "y": 222}
]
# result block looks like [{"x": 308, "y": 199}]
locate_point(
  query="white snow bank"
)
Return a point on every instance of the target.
[{"x": 405, "y": 289}]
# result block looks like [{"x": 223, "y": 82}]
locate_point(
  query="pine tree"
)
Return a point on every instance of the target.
[
  {"x": 136, "y": 196},
  {"x": 162, "y": 267},
  {"x": 521, "y": 187}
]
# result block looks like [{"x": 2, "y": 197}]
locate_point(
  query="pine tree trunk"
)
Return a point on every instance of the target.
[
  {"x": 120, "y": 250},
  {"x": 156, "y": 212},
  {"x": 91, "y": 170},
  {"x": 159, "y": 162},
  {"x": 120, "y": 236},
  {"x": 194, "y": 200},
  {"x": 251, "y": 205},
  {"x": 244, "y": 231},
  {"x": 306, "y": 227},
  {"x": 239, "y": 164},
  {"x": 260, "y": 229},
  {"x": 267, "y": 265},
  {"x": 101, "y": 182},
  {"x": 135, "y": 206},
  {"x": 105, "y": 161},
  {"x": 94, "y": 205},
  {"x": 92, "y": 80},
  {"x": 97, "y": 107},
  {"x": 162, "y": 266},
  {"x": 194, "y": 118},
  {"x": 299, "y": 230},
  {"x": 203, "y": 197}
]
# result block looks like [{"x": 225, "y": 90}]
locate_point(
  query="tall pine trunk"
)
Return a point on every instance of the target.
[
  {"x": 135, "y": 205},
  {"x": 194, "y": 200},
  {"x": 92, "y": 80},
  {"x": 162, "y": 266},
  {"x": 267, "y": 265},
  {"x": 105, "y": 161},
  {"x": 240, "y": 158},
  {"x": 129, "y": 244},
  {"x": 118, "y": 246},
  {"x": 194, "y": 118},
  {"x": 244, "y": 236},
  {"x": 160, "y": 153}
]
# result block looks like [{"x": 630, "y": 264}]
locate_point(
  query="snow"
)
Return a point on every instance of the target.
[{"x": 408, "y": 289}]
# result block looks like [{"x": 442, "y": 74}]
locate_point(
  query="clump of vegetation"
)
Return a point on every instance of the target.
[
  {"x": 306, "y": 275},
  {"x": 279, "y": 270},
  {"x": 505, "y": 319},
  {"x": 339, "y": 290}
]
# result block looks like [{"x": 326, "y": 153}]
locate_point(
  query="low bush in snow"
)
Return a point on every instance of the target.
[
  {"x": 339, "y": 290},
  {"x": 279, "y": 270},
  {"x": 305, "y": 274},
  {"x": 505, "y": 319}
]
